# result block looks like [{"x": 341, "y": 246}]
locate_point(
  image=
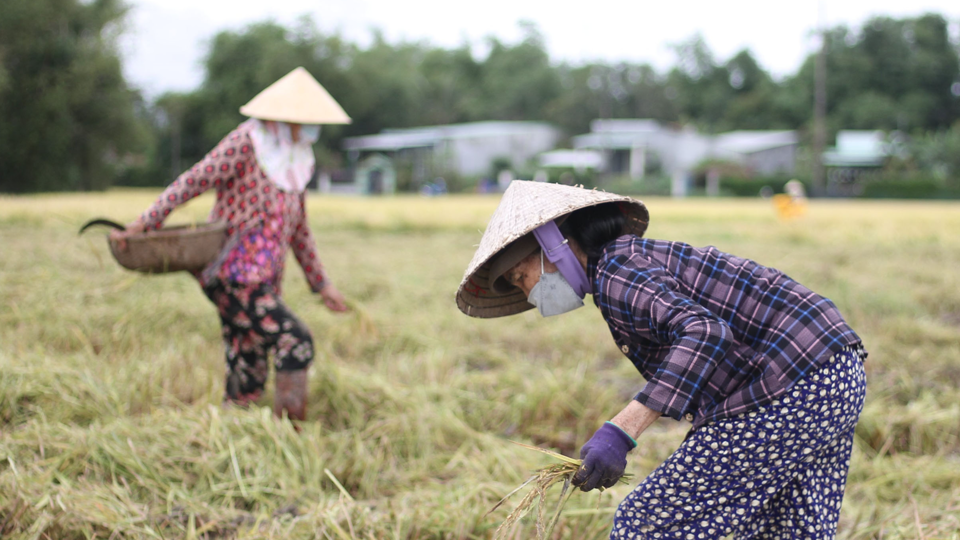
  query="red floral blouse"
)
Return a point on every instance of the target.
[{"x": 264, "y": 221}]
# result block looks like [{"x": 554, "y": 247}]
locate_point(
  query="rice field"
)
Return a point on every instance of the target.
[{"x": 111, "y": 423}]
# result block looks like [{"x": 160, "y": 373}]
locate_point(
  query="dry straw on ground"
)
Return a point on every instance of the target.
[
  {"x": 542, "y": 480},
  {"x": 110, "y": 382}
]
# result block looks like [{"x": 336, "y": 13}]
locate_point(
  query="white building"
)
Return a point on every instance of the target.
[
  {"x": 573, "y": 159},
  {"x": 469, "y": 149},
  {"x": 858, "y": 155},
  {"x": 633, "y": 147},
  {"x": 857, "y": 148},
  {"x": 763, "y": 152}
]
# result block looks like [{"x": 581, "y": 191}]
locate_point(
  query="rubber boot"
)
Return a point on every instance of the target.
[
  {"x": 232, "y": 395},
  {"x": 291, "y": 395}
]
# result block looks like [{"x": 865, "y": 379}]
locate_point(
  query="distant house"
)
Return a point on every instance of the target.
[
  {"x": 626, "y": 145},
  {"x": 469, "y": 149},
  {"x": 762, "y": 152},
  {"x": 572, "y": 159},
  {"x": 858, "y": 154},
  {"x": 636, "y": 147},
  {"x": 857, "y": 148},
  {"x": 375, "y": 175}
]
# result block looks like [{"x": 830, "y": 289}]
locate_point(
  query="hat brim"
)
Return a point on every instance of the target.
[{"x": 475, "y": 296}]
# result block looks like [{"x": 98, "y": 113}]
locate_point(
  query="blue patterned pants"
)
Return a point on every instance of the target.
[{"x": 774, "y": 473}]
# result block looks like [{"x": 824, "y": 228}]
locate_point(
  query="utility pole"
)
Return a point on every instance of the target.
[
  {"x": 819, "y": 109},
  {"x": 176, "y": 110},
  {"x": 175, "y": 145}
]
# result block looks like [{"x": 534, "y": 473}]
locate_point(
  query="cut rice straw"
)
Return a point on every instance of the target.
[
  {"x": 338, "y": 484},
  {"x": 542, "y": 479}
]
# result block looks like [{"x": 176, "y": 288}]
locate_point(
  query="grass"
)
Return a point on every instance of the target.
[
  {"x": 543, "y": 479},
  {"x": 110, "y": 382}
]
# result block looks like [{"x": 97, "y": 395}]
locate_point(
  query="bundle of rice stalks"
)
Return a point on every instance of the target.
[{"x": 542, "y": 480}]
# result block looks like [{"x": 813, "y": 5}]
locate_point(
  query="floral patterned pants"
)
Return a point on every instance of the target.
[
  {"x": 256, "y": 323},
  {"x": 775, "y": 473}
]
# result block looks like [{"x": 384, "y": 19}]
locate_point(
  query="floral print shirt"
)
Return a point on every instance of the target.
[{"x": 263, "y": 220}]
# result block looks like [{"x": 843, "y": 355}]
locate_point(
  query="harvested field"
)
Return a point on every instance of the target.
[{"x": 111, "y": 382}]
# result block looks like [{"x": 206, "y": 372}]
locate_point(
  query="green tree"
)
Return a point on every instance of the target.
[
  {"x": 757, "y": 102},
  {"x": 737, "y": 94},
  {"x": 241, "y": 64},
  {"x": 939, "y": 153},
  {"x": 609, "y": 91},
  {"x": 451, "y": 89},
  {"x": 237, "y": 67},
  {"x": 517, "y": 81},
  {"x": 892, "y": 74},
  {"x": 67, "y": 116},
  {"x": 702, "y": 86},
  {"x": 386, "y": 87}
]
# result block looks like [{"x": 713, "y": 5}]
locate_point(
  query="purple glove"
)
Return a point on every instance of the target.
[{"x": 604, "y": 458}]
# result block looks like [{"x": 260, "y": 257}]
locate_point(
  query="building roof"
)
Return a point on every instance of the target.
[
  {"x": 857, "y": 148},
  {"x": 627, "y": 134},
  {"x": 625, "y": 125},
  {"x": 427, "y": 136},
  {"x": 391, "y": 141},
  {"x": 748, "y": 142},
  {"x": 609, "y": 141},
  {"x": 621, "y": 134},
  {"x": 577, "y": 159}
]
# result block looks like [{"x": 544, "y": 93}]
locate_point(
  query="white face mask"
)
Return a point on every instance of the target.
[
  {"x": 553, "y": 295},
  {"x": 288, "y": 165},
  {"x": 310, "y": 132}
]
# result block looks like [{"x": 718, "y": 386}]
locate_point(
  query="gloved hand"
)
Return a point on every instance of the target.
[{"x": 604, "y": 458}]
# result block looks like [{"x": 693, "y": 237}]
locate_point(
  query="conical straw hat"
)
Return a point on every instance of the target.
[
  {"x": 297, "y": 98},
  {"x": 524, "y": 207}
]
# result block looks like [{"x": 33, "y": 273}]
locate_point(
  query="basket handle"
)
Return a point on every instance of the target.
[{"x": 101, "y": 221}]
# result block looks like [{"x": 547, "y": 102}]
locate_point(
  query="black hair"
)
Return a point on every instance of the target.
[{"x": 594, "y": 227}]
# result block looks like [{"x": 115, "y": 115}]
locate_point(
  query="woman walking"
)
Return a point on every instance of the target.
[
  {"x": 260, "y": 171},
  {"x": 767, "y": 372}
]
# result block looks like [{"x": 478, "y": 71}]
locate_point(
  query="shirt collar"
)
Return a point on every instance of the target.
[
  {"x": 593, "y": 269},
  {"x": 592, "y": 275}
]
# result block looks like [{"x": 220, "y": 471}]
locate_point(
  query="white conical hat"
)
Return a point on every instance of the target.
[
  {"x": 524, "y": 207},
  {"x": 297, "y": 98}
]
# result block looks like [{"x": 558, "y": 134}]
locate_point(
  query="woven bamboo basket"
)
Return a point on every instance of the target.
[{"x": 171, "y": 249}]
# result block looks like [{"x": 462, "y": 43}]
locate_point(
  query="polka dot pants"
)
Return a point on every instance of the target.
[{"x": 774, "y": 473}]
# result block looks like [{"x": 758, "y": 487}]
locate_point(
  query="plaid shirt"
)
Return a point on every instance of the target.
[{"x": 714, "y": 335}]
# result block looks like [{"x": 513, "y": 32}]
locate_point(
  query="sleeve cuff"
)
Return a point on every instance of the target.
[{"x": 662, "y": 399}]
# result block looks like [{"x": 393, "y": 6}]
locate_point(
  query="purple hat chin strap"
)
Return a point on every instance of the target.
[{"x": 558, "y": 252}]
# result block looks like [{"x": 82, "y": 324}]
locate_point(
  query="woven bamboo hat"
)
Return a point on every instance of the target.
[
  {"x": 524, "y": 207},
  {"x": 297, "y": 98}
]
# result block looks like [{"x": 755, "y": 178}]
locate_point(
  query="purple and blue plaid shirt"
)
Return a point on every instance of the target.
[{"x": 714, "y": 335}]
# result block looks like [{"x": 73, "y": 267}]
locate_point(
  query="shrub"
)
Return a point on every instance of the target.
[
  {"x": 909, "y": 187},
  {"x": 750, "y": 187},
  {"x": 649, "y": 185}
]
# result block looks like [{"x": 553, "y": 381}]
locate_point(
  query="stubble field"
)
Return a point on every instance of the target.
[{"x": 111, "y": 382}]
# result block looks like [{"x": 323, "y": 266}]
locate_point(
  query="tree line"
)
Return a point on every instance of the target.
[{"x": 69, "y": 120}]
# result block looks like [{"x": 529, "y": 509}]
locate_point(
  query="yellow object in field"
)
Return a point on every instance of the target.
[
  {"x": 789, "y": 207},
  {"x": 792, "y": 203}
]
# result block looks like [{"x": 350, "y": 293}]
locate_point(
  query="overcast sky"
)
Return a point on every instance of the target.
[{"x": 166, "y": 39}]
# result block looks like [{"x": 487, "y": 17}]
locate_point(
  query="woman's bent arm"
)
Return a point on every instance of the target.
[{"x": 635, "y": 418}]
